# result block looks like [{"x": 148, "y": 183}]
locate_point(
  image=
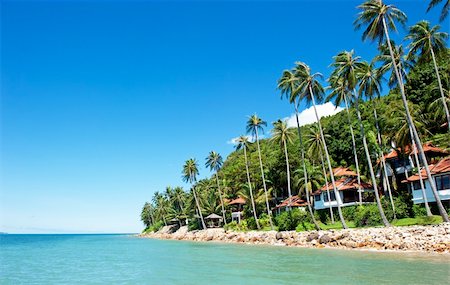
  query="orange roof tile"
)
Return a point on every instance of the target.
[
  {"x": 343, "y": 171},
  {"x": 238, "y": 200},
  {"x": 442, "y": 166},
  {"x": 343, "y": 184},
  {"x": 295, "y": 202}
]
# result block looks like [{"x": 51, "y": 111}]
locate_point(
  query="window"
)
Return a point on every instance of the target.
[
  {"x": 332, "y": 196},
  {"x": 317, "y": 198},
  {"x": 416, "y": 185},
  {"x": 442, "y": 182}
]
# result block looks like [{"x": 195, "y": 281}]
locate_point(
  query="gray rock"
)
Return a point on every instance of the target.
[
  {"x": 324, "y": 239},
  {"x": 312, "y": 236},
  {"x": 279, "y": 235}
]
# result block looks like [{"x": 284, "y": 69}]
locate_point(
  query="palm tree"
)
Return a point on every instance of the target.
[
  {"x": 426, "y": 41},
  {"x": 315, "y": 148},
  {"x": 288, "y": 84},
  {"x": 283, "y": 135},
  {"x": 314, "y": 182},
  {"x": 242, "y": 142},
  {"x": 370, "y": 85},
  {"x": 444, "y": 12},
  {"x": 379, "y": 18},
  {"x": 401, "y": 59},
  {"x": 162, "y": 206},
  {"x": 341, "y": 93},
  {"x": 190, "y": 172},
  {"x": 147, "y": 214},
  {"x": 254, "y": 124},
  {"x": 308, "y": 89},
  {"x": 214, "y": 161}
]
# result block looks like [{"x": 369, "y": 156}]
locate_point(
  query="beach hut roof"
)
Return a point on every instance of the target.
[
  {"x": 296, "y": 201},
  {"x": 239, "y": 200},
  {"x": 213, "y": 217},
  {"x": 343, "y": 184}
]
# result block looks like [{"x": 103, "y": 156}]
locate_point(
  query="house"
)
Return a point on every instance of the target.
[
  {"x": 347, "y": 187},
  {"x": 293, "y": 202},
  {"x": 440, "y": 173},
  {"x": 400, "y": 163}
]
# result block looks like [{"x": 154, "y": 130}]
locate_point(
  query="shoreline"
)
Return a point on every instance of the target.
[{"x": 414, "y": 239}]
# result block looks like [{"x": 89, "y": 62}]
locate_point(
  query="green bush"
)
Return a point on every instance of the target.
[
  {"x": 234, "y": 226},
  {"x": 288, "y": 220},
  {"x": 419, "y": 211},
  {"x": 304, "y": 226},
  {"x": 402, "y": 207},
  {"x": 251, "y": 223},
  {"x": 367, "y": 215},
  {"x": 155, "y": 227},
  {"x": 193, "y": 225},
  {"x": 264, "y": 221},
  {"x": 348, "y": 213}
]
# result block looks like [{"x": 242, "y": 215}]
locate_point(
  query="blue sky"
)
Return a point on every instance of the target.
[{"x": 102, "y": 102}]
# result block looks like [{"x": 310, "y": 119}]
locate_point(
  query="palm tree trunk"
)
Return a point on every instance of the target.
[
  {"x": 288, "y": 174},
  {"x": 326, "y": 183},
  {"x": 269, "y": 213},
  {"x": 369, "y": 162},
  {"x": 354, "y": 151},
  {"x": 422, "y": 186},
  {"x": 198, "y": 208},
  {"x": 383, "y": 162},
  {"x": 221, "y": 200},
  {"x": 416, "y": 137},
  {"x": 250, "y": 188},
  {"x": 441, "y": 89},
  {"x": 338, "y": 197},
  {"x": 305, "y": 175}
]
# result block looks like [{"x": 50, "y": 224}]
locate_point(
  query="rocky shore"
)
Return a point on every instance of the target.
[{"x": 434, "y": 238}]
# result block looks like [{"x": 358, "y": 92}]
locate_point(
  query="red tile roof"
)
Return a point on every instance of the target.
[
  {"x": 428, "y": 148},
  {"x": 295, "y": 202},
  {"x": 343, "y": 184},
  {"x": 343, "y": 171},
  {"x": 442, "y": 166},
  {"x": 237, "y": 201}
]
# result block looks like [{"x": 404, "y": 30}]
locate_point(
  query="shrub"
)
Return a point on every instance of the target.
[
  {"x": 264, "y": 221},
  {"x": 304, "y": 226},
  {"x": 288, "y": 220},
  {"x": 348, "y": 213},
  {"x": 251, "y": 223},
  {"x": 155, "y": 227},
  {"x": 193, "y": 225},
  {"x": 419, "y": 211},
  {"x": 367, "y": 215},
  {"x": 234, "y": 226},
  {"x": 402, "y": 207}
]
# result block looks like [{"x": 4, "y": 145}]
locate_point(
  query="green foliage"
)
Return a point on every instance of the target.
[
  {"x": 251, "y": 223},
  {"x": 349, "y": 212},
  {"x": 419, "y": 211},
  {"x": 403, "y": 207},
  {"x": 234, "y": 226},
  {"x": 289, "y": 220},
  {"x": 194, "y": 224},
  {"x": 304, "y": 226},
  {"x": 433, "y": 220},
  {"x": 264, "y": 221},
  {"x": 155, "y": 227},
  {"x": 367, "y": 215}
]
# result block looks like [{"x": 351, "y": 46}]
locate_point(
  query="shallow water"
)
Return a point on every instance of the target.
[{"x": 122, "y": 259}]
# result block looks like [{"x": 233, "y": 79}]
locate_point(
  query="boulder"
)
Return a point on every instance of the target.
[{"x": 312, "y": 236}]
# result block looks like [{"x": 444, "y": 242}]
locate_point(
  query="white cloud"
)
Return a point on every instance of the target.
[
  {"x": 234, "y": 140},
  {"x": 308, "y": 116}
]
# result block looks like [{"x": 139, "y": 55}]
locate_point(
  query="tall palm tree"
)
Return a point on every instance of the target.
[
  {"x": 379, "y": 18},
  {"x": 288, "y": 84},
  {"x": 444, "y": 12},
  {"x": 309, "y": 88},
  {"x": 190, "y": 172},
  {"x": 242, "y": 143},
  {"x": 214, "y": 161},
  {"x": 341, "y": 93},
  {"x": 370, "y": 86},
  {"x": 346, "y": 69},
  {"x": 403, "y": 62},
  {"x": 426, "y": 41},
  {"x": 255, "y": 124},
  {"x": 315, "y": 148},
  {"x": 161, "y": 206},
  {"x": 283, "y": 135}
]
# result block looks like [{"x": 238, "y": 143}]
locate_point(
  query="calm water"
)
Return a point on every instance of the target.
[{"x": 121, "y": 259}]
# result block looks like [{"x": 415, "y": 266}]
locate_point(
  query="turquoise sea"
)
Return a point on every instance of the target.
[{"x": 124, "y": 259}]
